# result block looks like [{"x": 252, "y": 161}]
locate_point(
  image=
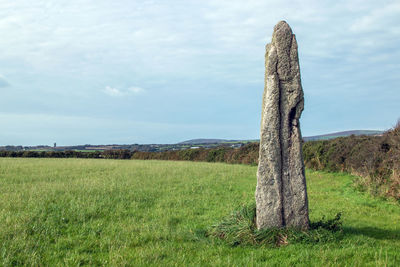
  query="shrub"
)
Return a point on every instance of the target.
[{"x": 375, "y": 158}]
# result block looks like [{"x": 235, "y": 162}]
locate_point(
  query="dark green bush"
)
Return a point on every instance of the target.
[{"x": 375, "y": 158}]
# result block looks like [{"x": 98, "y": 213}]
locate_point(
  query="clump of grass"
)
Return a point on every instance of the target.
[{"x": 239, "y": 229}]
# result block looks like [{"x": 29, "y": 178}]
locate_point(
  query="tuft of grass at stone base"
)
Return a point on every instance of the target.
[
  {"x": 157, "y": 213},
  {"x": 240, "y": 229}
]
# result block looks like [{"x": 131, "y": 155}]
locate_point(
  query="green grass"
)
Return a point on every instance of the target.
[{"x": 110, "y": 212}]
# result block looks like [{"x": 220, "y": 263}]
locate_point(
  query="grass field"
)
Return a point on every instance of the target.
[{"x": 114, "y": 212}]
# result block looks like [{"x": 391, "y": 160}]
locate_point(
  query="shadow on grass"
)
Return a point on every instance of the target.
[{"x": 372, "y": 232}]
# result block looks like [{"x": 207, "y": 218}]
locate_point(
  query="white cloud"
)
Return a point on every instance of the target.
[
  {"x": 133, "y": 90},
  {"x": 383, "y": 18},
  {"x": 112, "y": 91}
]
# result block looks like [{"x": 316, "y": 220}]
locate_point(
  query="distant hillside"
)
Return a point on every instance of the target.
[
  {"x": 204, "y": 141},
  {"x": 342, "y": 134},
  {"x": 307, "y": 138}
]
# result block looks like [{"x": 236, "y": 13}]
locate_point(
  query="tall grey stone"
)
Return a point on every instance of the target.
[{"x": 281, "y": 193}]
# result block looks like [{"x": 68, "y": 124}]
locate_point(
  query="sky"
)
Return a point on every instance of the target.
[{"x": 130, "y": 71}]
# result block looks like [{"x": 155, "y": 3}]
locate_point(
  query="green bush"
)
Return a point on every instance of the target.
[{"x": 375, "y": 158}]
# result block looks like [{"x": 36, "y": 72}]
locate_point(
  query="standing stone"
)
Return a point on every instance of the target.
[{"x": 281, "y": 194}]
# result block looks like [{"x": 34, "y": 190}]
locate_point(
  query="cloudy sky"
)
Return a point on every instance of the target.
[{"x": 131, "y": 71}]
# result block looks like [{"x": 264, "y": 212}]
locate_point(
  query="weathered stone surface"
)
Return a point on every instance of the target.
[{"x": 281, "y": 194}]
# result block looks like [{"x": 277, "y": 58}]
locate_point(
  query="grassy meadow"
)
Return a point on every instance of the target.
[{"x": 132, "y": 212}]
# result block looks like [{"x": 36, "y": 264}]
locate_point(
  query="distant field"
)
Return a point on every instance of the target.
[{"x": 129, "y": 213}]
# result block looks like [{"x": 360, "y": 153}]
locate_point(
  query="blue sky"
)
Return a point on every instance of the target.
[{"x": 102, "y": 72}]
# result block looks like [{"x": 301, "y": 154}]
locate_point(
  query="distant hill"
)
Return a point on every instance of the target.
[
  {"x": 307, "y": 138},
  {"x": 341, "y": 134},
  {"x": 205, "y": 141}
]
